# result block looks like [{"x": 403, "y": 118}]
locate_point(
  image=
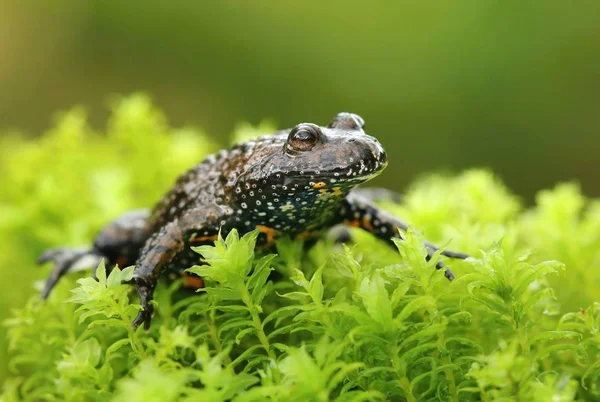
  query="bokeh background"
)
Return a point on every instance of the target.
[
  {"x": 509, "y": 85},
  {"x": 445, "y": 85}
]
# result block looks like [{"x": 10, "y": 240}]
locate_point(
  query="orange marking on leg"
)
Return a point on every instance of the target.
[
  {"x": 355, "y": 223},
  {"x": 269, "y": 232},
  {"x": 366, "y": 223},
  {"x": 192, "y": 281},
  {"x": 337, "y": 191},
  {"x": 323, "y": 191},
  {"x": 201, "y": 239}
]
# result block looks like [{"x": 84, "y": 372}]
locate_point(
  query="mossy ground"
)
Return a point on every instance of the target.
[{"x": 521, "y": 322}]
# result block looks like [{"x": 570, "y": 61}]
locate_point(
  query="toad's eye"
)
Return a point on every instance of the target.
[{"x": 304, "y": 137}]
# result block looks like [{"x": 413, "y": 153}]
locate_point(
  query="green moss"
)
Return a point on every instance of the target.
[{"x": 521, "y": 322}]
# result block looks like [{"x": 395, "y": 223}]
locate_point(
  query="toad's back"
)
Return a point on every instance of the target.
[{"x": 210, "y": 183}]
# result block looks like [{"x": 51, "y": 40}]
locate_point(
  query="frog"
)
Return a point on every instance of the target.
[{"x": 297, "y": 182}]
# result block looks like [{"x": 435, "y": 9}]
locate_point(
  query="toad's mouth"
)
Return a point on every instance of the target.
[
  {"x": 359, "y": 171},
  {"x": 353, "y": 175}
]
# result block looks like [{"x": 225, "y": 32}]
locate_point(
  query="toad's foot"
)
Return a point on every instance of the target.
[
  {"x": 67, "y": 260},
  {"x": 145, "y": 290}
]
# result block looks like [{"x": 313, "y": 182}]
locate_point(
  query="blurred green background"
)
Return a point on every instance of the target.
[{"x": 512, "y": 85}]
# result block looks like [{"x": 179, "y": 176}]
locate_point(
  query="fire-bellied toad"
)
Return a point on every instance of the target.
[{"x": 296, "y": 182}]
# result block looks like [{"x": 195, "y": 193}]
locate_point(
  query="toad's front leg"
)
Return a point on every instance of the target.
[
  {"x": 360, "y": 212},
  {"x": 159, "y": 250}
]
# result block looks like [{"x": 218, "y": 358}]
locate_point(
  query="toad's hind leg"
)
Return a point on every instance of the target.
[
  {"x": 117, "y": 243},
  {"x": 67, "y": 260}
]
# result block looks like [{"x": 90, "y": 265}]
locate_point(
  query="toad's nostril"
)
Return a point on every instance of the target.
[{"x": 352, "y": 140}]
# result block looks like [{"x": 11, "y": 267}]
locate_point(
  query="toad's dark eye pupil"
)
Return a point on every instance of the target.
[{"x": 305, "y": 135}]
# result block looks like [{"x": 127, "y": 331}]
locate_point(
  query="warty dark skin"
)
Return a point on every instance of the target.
[{"x": 297, "y": 182}]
